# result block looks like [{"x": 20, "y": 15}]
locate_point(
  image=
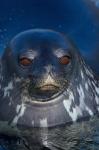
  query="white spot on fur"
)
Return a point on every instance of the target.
[
  {"x": 82, "y": 75},
  {"x": 81, "y": 95},
  {"x": 10, "y": 103},
  {"x": 18, "y": 108},
  {"x": 89, "y": 83},
  {"x": 97, "y": 99},
  {"x": 67, "y": 105},
  {"x": 89, "y": 73},
  {"x": 43, "y": 122},
  {"x": 45, "y": 140},
  {"x": 44, "y": 136},
  {"x": 94, "y": 84},
  {"x": 86, "y": 86},
  {"x": 98, "y": 108},
  {"x": 33, "y": 122},
  {"x": 89, "y": 111},
  {"x": 82, "y": 105},
  {"x": 79, "y": 112},
  {"x": 71, "y": 96},
  {"x": 8, "y": 88},
  {"x": 20, "y": 114},
  {"x": 76, "y": 111},
  {"x": 97, "y": 90}
]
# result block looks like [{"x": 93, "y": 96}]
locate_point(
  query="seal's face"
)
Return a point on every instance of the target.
[{"x": 43, "y": 62}]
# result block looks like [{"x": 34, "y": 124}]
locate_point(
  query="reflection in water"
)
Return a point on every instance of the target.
[{"x": 79, "y": 136}]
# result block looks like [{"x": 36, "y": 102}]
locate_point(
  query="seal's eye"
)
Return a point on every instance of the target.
[
  {"x": 25, "y": 61},
  {"x": 64, "y": 60}
]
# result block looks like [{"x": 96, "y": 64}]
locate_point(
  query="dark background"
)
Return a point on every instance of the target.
[{"x": 77, "y": 18}]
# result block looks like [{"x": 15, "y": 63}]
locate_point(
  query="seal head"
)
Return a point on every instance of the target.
[
  {"x": 45, "y": 82},
  {"x": 44, "y": 60}
]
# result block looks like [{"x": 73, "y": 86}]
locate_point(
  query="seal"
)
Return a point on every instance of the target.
[{"x": 45, "y": 82}]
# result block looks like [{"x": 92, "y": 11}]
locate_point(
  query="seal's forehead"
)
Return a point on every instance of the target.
[{"x": 38, "y": 38}]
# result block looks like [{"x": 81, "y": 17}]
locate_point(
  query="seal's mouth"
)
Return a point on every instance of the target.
[
  {"x": 48, "y": 87},
  {"x": 44, "y": 92}
]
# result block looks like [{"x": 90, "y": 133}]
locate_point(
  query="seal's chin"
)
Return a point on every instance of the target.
[{"x": 44, "y": 93}]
